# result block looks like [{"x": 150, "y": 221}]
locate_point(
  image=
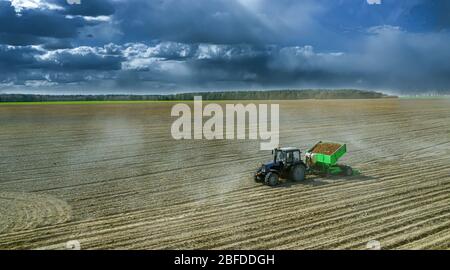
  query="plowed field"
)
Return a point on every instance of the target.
[{"x": 111, "y": 177}]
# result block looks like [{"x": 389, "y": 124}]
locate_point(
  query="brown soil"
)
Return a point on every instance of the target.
[{"x": 112, "y": 177}]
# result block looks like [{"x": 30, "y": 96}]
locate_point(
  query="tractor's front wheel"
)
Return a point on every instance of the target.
[
  {"x": 272, "y": 179},
  {"x": 348, "y": 171},
  {"x": 298, "y": 173}
]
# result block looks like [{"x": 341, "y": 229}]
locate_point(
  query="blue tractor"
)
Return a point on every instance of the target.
[{"x": 286, "y": 164}]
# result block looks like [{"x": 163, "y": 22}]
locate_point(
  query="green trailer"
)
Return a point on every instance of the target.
[{"x": 323, "y": 159}]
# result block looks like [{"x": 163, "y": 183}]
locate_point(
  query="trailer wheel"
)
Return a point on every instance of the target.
[
  {"x": 348, "y": 171},
  {"x": 298, "y": 173},
  {"x": 272, "y": 179}
]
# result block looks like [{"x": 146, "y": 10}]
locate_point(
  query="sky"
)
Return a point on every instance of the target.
[{"x": 168, "y": 46}]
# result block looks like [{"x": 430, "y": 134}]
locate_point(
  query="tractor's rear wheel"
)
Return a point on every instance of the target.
[
  {"x": 298, "y": 173},
  {"x": 272, "y": 179}
]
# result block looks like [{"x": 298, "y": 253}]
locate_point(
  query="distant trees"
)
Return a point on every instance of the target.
[
  {"x": 227, "y": 95},
  {"x": 280, "y": 95}
]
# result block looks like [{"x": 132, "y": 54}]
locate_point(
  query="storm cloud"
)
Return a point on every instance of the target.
[{"x": 164, "y": 46}]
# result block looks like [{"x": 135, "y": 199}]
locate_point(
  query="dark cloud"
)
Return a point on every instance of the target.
[
  {"x": 12, "y": 57},
  {"x": 51, "y": 27},
  {"x": 36, "y": 22},
  {"x": 168, "y": 45},
  {"x": 91, "y": 8},
  {"x": 189, "y": 21}
]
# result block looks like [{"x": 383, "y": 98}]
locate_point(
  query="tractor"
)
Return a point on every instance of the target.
[{"x": 287, "y": 163}]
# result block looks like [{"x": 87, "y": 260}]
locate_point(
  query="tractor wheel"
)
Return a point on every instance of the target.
[
  {"x": 298, "y": 173},
  {"x": 272, "y": 179},
  {"x": 348, "y": 171}
]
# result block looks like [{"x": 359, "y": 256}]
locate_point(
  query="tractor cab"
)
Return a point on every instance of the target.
[
  {"x": 286, "y": 164},
  {"x": 286, "y": 156}
]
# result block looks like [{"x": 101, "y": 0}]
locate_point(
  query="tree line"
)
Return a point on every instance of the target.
[{"x": 225, "y": 95}]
